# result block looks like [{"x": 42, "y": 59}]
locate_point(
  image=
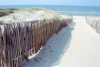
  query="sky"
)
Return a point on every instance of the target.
[{"x": 51, "y": 2}]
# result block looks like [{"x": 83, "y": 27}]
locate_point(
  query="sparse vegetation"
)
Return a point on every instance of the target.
[
  {"x": 7, "y": 11},
  {"x": 2, "y": 13},
  {"x": 37, "y": 9},
  {"x": 24, "y": 14},
  {"x": 1, "y": 23}
]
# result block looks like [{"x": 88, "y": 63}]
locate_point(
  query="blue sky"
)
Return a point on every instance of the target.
[{"x": 51, "y": 2}]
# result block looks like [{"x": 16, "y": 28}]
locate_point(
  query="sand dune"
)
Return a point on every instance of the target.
[{"x": 30, "y": 14}]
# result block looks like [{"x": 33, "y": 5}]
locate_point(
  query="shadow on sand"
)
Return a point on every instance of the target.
[{"x": 53, "y": 50}]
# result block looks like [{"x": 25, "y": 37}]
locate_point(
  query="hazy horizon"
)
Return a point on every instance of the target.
[{"x": 50, "y": 5}]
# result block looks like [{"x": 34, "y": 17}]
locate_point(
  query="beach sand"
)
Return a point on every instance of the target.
[{"x": 77, "y": 45}]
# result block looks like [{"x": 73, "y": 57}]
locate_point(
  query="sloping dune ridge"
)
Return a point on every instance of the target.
[{"x": 30, "y": 14}]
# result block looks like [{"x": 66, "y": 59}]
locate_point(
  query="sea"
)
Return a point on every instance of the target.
[{"x": 63, "y": 9}]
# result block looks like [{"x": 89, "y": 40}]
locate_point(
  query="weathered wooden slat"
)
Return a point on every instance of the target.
[{"x": 21, "y": 40}]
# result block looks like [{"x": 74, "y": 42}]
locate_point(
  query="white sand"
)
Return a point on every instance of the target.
[{"x": 77, "y": 45}]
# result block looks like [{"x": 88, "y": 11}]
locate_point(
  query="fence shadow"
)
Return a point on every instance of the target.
[{"x": 51, "y": 53}]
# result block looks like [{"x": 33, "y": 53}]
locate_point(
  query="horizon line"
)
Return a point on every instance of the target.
[{"x": 48, "y": 5}]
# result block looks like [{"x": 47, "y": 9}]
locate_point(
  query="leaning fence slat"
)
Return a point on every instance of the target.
[{"x": 21, "y": 40}]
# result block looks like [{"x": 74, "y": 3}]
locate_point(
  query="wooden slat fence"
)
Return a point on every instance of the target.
[
  {"x": 21, "y": 40},
  {"x": 94, "y": 23},
  {"x": 2, "y": 49}
]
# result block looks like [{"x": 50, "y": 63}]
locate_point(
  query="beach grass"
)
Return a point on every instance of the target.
[
  {"x": 27, "y": 14},
  {"x": 7, "y": 11}
]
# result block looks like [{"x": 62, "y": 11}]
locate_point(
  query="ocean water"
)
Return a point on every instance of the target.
[{"x": 63, "y": 9}]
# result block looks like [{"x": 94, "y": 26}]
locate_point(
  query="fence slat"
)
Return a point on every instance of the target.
[{"x": 21, "y": 40}]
